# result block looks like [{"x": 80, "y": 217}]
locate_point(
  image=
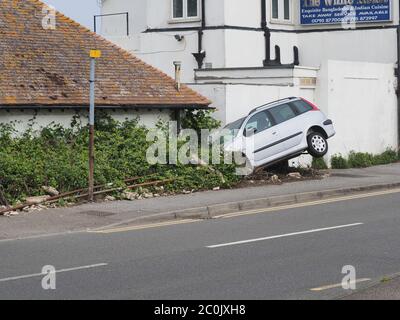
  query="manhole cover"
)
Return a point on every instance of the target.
[{"x": 98, "y": 213}]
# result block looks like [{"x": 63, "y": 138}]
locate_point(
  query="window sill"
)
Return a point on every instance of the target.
[
  {"x": 284, "y": 22},
  {"x": 183, "y": 20}
]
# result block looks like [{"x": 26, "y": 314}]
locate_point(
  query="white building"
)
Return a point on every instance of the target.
[{"x": 241, "y": 54}]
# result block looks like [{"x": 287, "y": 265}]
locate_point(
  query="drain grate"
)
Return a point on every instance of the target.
[{"x": 98, "y": 213}]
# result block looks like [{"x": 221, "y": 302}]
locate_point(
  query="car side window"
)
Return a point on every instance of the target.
[
  {"x": 301, "y": 106},
  {"x": 259, "y": 122},
  {"x": 282, "y": 113}
]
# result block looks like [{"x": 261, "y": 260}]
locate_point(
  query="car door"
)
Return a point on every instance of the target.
[
  {"x": 287, "y": 125},
  {"x": 260, "y": 137}
]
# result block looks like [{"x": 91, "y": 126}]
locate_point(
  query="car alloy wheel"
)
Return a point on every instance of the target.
[{"x": 318, "y": 143}]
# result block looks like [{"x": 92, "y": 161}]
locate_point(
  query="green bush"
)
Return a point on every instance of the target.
[
  {"x": 363, "y": 160},
  {"x": 360, "y": 160},
  {"x": 58, "y": 157},
  {"x": 319, "y": 164},
  {"x": 199, "y": 119},
  {"x": 389, "y": 156},
  {"x": 338, "y": 162}
]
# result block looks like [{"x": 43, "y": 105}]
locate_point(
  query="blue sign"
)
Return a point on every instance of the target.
[{"x": 314, "y": 12}]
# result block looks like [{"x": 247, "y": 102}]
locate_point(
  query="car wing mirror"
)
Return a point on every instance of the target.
[{"x": 248, "y": 132}]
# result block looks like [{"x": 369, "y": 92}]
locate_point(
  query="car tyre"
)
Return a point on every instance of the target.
[{"x": 317, "y": 145}]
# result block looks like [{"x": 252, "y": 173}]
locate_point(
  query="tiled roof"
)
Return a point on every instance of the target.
[{"x": 44, "y": 67}]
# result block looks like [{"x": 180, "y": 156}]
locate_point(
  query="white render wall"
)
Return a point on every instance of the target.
[
  {"x": 22, "y": 119},
  {"x": 234, "y": 101},
  {"x": 366, "y": 46},
  {"x": 360, "y": 98}
]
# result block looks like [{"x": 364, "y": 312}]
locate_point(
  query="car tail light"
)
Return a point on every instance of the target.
[{"x": 315, "y": 108}]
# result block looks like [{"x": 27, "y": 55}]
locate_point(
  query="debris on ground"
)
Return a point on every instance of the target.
[
  {"x": 295, "y": 175},
  {"x": 275, "y": 179},
  {"x": 280, "y": 174},
  {"x": 110, "y": 198},
  {"x": 130, "y": 195},
  {"x": 50, "y": 191},
  {"x": 36, "y": 200}
]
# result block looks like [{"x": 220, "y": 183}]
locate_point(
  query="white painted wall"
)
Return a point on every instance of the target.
[
  {"x": 237, "y": 100},
  {"x": 366, "y": 46},
  {"x": 21, "y": 119},
  {"x": 217, "y": 94},
  {"x": 242, "y": 13},
  {"x": 360, "y": 99}
]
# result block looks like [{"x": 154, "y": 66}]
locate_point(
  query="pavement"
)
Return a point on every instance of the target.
[
  {"x": 296, "y": 252},
  {"x": 196, "y": 205},
  {"x": 385, "y": 289}
]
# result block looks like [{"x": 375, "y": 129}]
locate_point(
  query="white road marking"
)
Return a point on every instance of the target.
[
  {"x": 57, "y": 271},
  {"x": 338, "y": 285},
  {"x": 283, "y": 235}
]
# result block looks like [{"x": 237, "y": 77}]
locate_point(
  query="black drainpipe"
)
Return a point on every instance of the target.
[
  {"x": 267, "y": 33},
  {"x": 201, "y": 54}
]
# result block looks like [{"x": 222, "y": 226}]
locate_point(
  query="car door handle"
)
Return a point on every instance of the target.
[{"x": 274, "y": 133}]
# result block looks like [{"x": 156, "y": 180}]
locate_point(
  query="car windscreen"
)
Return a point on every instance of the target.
[
  {"x": 230, "y": 131},
  {"x": 235, "y": 126}
]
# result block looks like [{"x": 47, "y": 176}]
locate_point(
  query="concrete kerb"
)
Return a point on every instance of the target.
[{"x": 209, "y": 212}]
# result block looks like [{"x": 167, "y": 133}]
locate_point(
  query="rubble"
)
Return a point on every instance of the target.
[
  {"x": 295, "y": 175},
  {"x": 36, "y": 200},
  {"x": 275, "y": 179},
  {"x": 130, "y": 195},
  {"x": 50, "y": 191}
]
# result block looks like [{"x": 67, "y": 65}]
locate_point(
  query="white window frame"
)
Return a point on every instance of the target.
[
  {"x": 185, "y": 17},
  {"x": 281, "y": 13}
]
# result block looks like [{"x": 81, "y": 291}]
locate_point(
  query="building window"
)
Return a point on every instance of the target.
[
  {"x": 286, "y": 10},
  {"x": 185, "y": 9},
  {"x": 281, "y": 11},
  {"x": 275, "y": 9}
]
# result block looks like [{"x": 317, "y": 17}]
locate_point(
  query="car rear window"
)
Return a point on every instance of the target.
[
  {"x": 301, "y": 106},
  {"x": 282, "y": 113}
]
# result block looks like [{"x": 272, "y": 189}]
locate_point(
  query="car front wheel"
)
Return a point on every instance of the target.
[{"x": 317, "y": 145}]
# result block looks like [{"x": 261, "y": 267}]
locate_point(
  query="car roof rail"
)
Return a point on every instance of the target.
[{"x": 273, "y": 102}]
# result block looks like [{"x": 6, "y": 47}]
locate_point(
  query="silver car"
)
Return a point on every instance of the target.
[{"x": 280, "y": 130}]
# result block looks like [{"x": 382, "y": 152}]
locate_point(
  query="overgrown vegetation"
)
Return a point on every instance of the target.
[
  {"x": 339, "y": 162},
  {"x": 58, "y": 157},
  {"x": 200, "y": 119},
  {"x": 364, "y": 160},
  {"x": 319, "y": 164}
]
